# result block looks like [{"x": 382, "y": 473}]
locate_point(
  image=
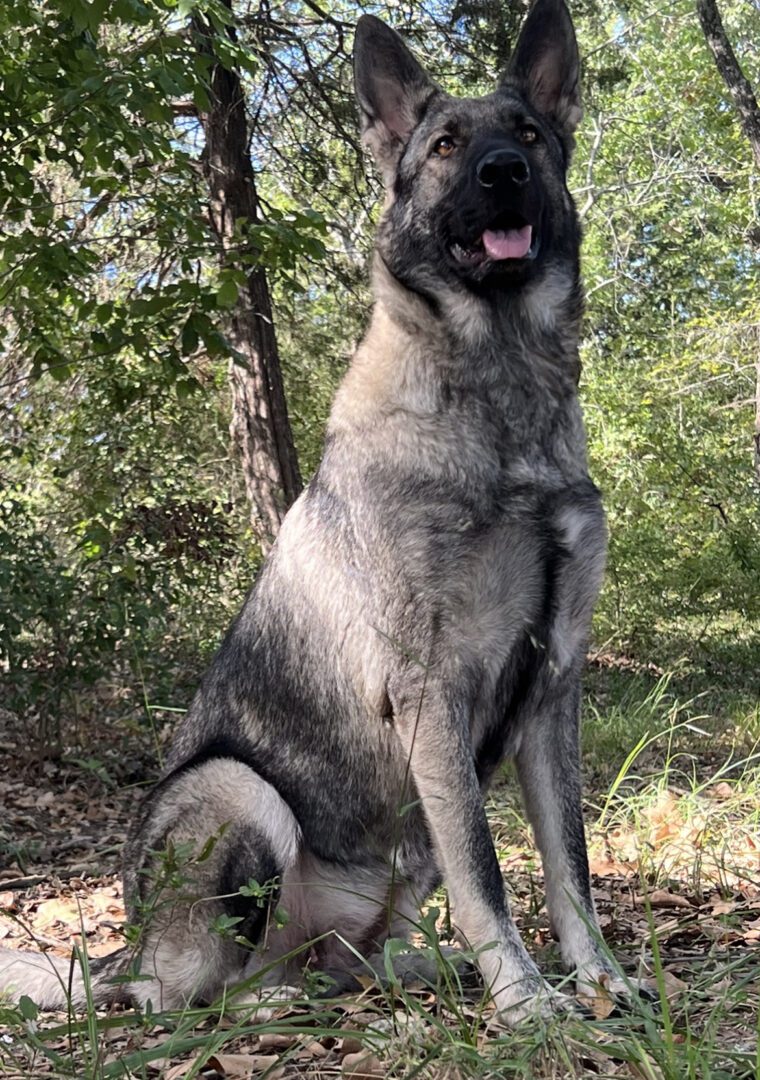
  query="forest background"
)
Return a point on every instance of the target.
[
  {"x": 131, "y": 522},
  {"x": 186, "y": 218}
]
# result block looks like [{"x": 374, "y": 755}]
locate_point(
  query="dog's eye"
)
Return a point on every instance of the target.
[
  {"x": 527, "y": 134},
  {"x": 444, "y": 146}
]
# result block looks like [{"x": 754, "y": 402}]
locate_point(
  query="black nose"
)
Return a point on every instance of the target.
[{"x": 503, "y": 166}]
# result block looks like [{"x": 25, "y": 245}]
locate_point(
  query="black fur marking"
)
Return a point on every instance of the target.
[
  {"x": 429, "y": 298},
  {"x": 517, "y": 681},
  {"x": 250, "y": 857},
  {"x": 527, "y": 662},
  {"x": 225, "y": 746}
]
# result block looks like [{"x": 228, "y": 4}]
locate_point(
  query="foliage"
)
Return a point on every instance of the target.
[
  {"x": 672, "y": 267},
  {"x": 124, "y": 546},
  {"x": 121, "y": 508}
]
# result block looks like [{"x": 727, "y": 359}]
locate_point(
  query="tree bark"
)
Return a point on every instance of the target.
[
  {"x": 746, "y": 106},
  {"x": 757, "y": 412},
  {"x": 260, "y": 425},
  {"x": 730, "y": 71}
]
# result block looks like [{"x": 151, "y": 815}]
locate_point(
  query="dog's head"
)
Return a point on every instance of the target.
[{"x": 476, "y": 186}]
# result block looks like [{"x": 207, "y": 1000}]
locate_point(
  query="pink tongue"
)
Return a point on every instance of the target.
[{"x": 509, "y": 244}]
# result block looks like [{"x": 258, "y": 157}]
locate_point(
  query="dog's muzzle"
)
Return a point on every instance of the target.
[{"x": 506, "y": 236}]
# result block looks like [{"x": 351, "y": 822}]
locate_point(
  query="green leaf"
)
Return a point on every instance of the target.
[
  {"x": 225, "y": 924},
  {"x": 27, "y": 1008},
  {"x": 189, "y": 337},
  {"x": 60, "y": 371},
  {"x": 227, "y": 294},
  {"x": 185, "y": 388},
  {"x": 200, "y": 98}
]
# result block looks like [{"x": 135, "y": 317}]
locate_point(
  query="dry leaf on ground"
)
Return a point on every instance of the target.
[
  {"x": 358, "y": 1066},
  {"x": 661, "y": 898},
  {"x": 232, "y": 1066}
]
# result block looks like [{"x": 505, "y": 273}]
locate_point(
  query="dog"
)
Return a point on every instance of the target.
[{"x": 425, "y": 610}]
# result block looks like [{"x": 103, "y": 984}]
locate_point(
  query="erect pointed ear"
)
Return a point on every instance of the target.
[
  {"x": 545, "y": 66},
  {"x": 392, "y": 89}
]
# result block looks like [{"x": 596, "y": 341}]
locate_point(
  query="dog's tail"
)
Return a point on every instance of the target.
[{"x": 53, "y": 982}]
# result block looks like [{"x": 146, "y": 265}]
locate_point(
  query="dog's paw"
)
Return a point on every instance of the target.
[
  {"x": 263, "y": 1002},
  {"x": 431, "y": 967},
  {"x": 605, "y": 993},
  {"x": 533, "y": 999}
]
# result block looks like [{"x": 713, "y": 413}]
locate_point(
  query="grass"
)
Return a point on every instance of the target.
[
  {"x": 702, "y": 1035},
  {"x": 673, "y": 813}
]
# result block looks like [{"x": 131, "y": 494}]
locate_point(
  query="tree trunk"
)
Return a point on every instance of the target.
[
  {"x": 730, "y": 71},
  {"x": 757, "y": 412},
  {"x": 260, "y": 425},
  {"x": 746, "y": 105}
]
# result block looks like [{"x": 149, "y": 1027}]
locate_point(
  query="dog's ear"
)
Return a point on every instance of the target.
[
  {"x": 545, "y": 66},
  {"x": 392, "y": 88}
]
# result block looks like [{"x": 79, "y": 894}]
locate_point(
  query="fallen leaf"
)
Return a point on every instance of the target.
[
  {"x": 358, "y": 1066},
  {"x": 605, "y": 866},
  {"x": 231, "y": 1066},
  {"x": 176, "y": 1071},
  {"x": 315, "y": 1049},
  {"x": 665, "y": 807},
  {"x": 661, "y": 898},
  {"x": 600, "y": 1003},
  {"x": 271, "y": 1040},
  {"x": 55, "y": 911},
  {"x": 243, "y": 1066},
  {"x": 721, "y": 791},
  {"x": 723, "y": 907},
  {"x": 674, "y": 987},
  {"x": 350, "y": 1046}
]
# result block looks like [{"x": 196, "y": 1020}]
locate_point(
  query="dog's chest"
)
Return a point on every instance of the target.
[
  {"x": 523, "y": 543},
  {"x": 526, "y": 571},
  {"x": 524, "y": 608}
]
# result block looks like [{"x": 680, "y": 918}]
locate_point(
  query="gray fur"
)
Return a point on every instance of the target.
[{"x": 426, "y": 607}]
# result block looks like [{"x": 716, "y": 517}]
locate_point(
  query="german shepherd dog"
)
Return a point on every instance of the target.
[{"x": 424, "y": 612}]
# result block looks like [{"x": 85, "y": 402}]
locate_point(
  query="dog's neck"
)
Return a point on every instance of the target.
[
  {"x": 451, "y": 325},
  {"x": 414, "y": 356}
]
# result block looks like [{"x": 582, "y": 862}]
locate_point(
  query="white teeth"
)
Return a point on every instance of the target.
[{"x": 466, "y": 255}]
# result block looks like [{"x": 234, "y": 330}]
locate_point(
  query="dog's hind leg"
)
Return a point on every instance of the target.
[{"x": 204, "y": 833}]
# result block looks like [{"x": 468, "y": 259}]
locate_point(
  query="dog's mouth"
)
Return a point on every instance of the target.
[{"x": 509, "y": 238}]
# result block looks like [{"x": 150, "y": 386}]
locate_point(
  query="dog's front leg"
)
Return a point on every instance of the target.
[
  {"x": 436, "y": 739},
  {"x": 548, "y": 767}
]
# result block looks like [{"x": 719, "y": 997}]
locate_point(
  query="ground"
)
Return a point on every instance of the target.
[{"x": 672, "y": 811}]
